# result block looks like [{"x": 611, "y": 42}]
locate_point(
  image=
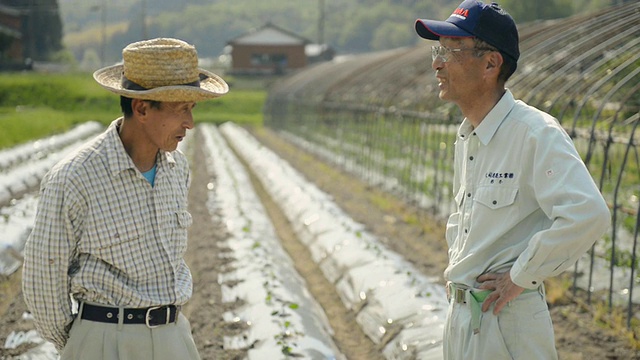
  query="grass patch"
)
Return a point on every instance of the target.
[
  {"x": 241, "y": 106},
  {"x": 36, "y": 105},
  {"x": 557, "y": 287},
  {"x": 616, "y": 319},
  {"x": 25, "y": 124},
  {"x": 559, "y": 293}
]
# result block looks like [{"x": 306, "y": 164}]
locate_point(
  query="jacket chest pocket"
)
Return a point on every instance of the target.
[{"x": 496, "y": 198}]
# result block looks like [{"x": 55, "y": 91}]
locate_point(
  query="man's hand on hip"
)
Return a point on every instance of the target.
[{"x": 504, "y": 290}]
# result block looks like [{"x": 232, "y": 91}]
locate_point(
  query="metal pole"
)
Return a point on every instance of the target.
[
  {"x": 103, "y": 43},
  {"x": 321, "y": 22},
  {"x": 145, "y": 34},
  {"x": 32, "y": 30}
]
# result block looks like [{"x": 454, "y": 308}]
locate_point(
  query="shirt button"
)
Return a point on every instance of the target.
[
  {"x": 494, "y": 202},
  {"x": 466, "y": 231},
  {"x": 468, "y": 194},
  {"x": 534, "y": 282},
  {"x": 471, "y": 158}
]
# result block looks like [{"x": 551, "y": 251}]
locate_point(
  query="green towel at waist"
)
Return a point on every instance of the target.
[{"x": 458, "y": 293}]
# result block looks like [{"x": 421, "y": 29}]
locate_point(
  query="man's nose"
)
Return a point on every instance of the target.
[
  {"x": 437, "y": 63},
  {"x": 188, "y": 122}
]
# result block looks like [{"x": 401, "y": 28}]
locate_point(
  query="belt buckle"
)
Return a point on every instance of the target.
[
  {"x": 147, "y": 316},
  {"x": 460, "y": 296}
]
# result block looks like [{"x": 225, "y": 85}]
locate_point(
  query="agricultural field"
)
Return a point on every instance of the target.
[{"x": 278, "y": 247}]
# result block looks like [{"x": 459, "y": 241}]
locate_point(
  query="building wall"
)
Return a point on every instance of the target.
[
  {"x": 267, "y": 59},
  {"x": 11, "y": 21},
  {"x": 13, "y": 24}
]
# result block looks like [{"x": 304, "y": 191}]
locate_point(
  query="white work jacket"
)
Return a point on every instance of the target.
[{"x": 525, "y": 201}]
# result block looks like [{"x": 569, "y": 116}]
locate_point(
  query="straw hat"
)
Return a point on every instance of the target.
[{"x": 161, "y": 69}]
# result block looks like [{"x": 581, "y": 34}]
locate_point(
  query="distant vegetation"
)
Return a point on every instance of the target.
[
  {"x": 37, "y": 105},
  {"x": 350, "y": 26}
]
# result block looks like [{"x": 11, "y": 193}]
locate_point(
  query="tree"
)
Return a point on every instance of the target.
[
  {"x": 524, "y": 11},
  {"x": 377, "y": 27},
  {"x": 42, "y": 27}
]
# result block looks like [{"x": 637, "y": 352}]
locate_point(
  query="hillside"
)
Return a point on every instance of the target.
[{"x": 349, "y": 26}]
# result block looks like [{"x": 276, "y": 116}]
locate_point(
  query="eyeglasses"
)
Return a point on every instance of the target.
[{"x": 444, "y": 53}]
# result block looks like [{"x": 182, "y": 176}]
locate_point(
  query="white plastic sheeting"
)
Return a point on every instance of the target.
[
  {"x": 397, "y": 307},
  {"x": 15, "y": 225},
  {"x": 43, "y": 351},
  {"x": 279, "y": 315},
  {"x": 41, "y": 148},
  {"x": 23, "y": 166},
  {"x": 21, "y": 169}
]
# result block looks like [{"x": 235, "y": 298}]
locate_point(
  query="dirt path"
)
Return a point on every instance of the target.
[
  {"x": 350, "y": 339},
  {"x": 399, "y": 226},
  {"x": 205, "y": 308}
]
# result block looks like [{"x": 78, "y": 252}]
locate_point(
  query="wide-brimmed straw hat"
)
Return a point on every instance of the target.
[{"x": 162, "y": 69}]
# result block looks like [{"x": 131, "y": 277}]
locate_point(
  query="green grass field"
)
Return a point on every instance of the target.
[{"x": 34, "y": 105}]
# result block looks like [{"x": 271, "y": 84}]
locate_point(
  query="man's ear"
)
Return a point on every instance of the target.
[
  {"x": 139, "y": 108},
  {"x": 494, "y": 63}
]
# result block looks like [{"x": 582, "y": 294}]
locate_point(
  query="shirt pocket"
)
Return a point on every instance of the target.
[
  {"x": 496, "y": 198},
  {"x": 183, "y": 221}
]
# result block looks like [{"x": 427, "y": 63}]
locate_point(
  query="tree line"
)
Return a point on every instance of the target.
[{"x": 101, "y": 28}]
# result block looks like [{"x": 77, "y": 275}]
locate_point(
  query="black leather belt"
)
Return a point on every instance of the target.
[{"x": 152, "y": 317}]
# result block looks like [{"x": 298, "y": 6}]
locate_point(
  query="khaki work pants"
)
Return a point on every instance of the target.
[
  {"x": 522, "y": 331},
  {"x": 103, "y": 341}
]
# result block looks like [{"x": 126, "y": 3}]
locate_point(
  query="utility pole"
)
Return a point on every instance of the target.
[
  {"x": 145, "y": 34},
  {"x": 103, "y": 43},
  {"x": 32, "y": 30},
  {"x": 321, "y": 22}
]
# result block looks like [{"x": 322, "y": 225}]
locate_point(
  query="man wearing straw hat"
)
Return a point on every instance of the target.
[
  {"x": 527, "y": 207},
  {"x": 111, "y": 227}
]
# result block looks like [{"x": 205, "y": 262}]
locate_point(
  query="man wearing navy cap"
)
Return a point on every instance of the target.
[{"x": 527, "y": 207}]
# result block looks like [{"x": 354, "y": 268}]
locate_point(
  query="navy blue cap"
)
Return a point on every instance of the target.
[{"x": 472, "y": 18}]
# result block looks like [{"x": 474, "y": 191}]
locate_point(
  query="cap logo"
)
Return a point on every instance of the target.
[{"x": 461, "y": 13}]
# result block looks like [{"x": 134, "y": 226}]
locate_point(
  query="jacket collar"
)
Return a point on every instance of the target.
[{"x": 490, "y": 124}]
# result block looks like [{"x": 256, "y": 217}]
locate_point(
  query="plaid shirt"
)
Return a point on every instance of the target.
[{"x": 103, "y": 234}]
